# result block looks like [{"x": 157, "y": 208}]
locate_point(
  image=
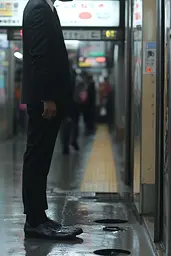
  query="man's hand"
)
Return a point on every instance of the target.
[{"x": 49, "y": 110}]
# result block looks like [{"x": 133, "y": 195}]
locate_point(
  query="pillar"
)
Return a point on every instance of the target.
[{"x": 148, "y": 108}]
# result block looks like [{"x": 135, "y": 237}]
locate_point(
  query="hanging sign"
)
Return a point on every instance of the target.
[{"x": 81, "y": 35}]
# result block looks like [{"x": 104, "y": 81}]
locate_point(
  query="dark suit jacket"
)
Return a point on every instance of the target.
[{"x": 46, "y": 73}]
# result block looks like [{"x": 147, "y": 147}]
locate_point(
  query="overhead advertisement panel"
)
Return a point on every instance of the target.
[
  {"x": 72, "y": 14},
  {"x": 89, "y": 13}
]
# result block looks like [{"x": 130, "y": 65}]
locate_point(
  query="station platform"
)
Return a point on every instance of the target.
[{"x": 83, "y": 189}]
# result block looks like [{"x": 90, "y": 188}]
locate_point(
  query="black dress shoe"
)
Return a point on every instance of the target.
[
  {"x": 54, "y": 223},
  {"x": 77, "y": 231},
  {"x": 49, "y": 230}
]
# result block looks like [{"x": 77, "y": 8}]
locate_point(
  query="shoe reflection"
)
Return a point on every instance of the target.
[{"x": 41, "y": 247}]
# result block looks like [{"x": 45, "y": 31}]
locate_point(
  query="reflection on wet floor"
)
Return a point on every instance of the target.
[
  {"x": 74, "y": 210},
  {"x": 66, "y": 204}
]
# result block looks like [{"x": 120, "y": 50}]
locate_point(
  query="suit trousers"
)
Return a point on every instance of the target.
[{"x": 41, "y": 138}]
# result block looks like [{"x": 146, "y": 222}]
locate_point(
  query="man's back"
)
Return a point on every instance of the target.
[{"x": 45, "y": 61}]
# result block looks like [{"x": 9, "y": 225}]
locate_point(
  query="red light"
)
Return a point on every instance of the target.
[
  {"x": 148, "y": 69},
  {"x": 101, "y": 59},
  {"x": 21, "y": 32},
  {"x": 16, "y": 49},
  {"x": 85, "y": 15}
]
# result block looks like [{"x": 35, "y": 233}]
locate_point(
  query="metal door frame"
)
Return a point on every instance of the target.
[
  {"x": 159, "y": 121},
  {"x": 159, "y": 140},
  {"x": 128, "y": 99},
  {"x": 168, "y": 231}
]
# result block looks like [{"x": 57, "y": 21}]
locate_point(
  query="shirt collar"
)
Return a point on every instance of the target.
[{"x": 50, "y": 4}]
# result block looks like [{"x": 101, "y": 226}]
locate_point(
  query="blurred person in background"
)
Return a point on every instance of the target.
[
  {"x": 22, "y": 111},
  {"x": 91, "y": 105},
  {"x": 105, "y": 88},
  {"x": 19, "y": 109},
  {"x": 105, "y": 99},
  {"x": 69, "y": 127},
  {"x": 16, "y": 113},
  {"x": 81, "y": 99},
  {"x": 83, "y": 103},
  {"x": 22, "y": 117}
]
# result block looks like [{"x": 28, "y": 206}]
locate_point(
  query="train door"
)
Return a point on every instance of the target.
[
  {"x": 162, "y": 228},
  {"x": 167, "y": 131}
]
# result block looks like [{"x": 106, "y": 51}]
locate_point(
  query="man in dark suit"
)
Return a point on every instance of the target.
[{"x": 46, "y": 91}]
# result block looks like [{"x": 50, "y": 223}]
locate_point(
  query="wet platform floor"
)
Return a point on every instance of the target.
[
  {"x": 81, "y": 210},
  {"x": 67, "y": 204}
]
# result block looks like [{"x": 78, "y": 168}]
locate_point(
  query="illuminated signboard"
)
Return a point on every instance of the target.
[
  {"x": 81, "y": 35},
  {"x": 92, "y": 49},
  {"x": 72, "y": 14},
  {"x": 99, "y": 62},
  {"x": 91, "y": 55},
  {"x": 89, "y": 13}
]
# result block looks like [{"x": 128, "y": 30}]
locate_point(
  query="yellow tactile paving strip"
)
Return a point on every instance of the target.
[{"x": 100, "y": 172}]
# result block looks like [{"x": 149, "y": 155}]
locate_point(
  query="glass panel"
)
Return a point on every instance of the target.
[
  {"x": 4, "y": 68},
  {"x": 10, "y": 81}
]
